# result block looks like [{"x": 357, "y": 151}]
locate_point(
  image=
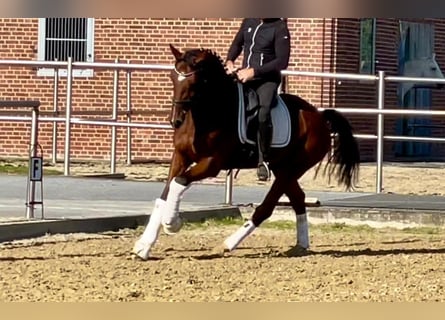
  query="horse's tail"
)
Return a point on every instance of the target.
[{"x": 344, "y": 155}]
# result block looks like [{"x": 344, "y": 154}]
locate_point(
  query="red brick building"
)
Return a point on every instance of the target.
[{"x": 319, "y": 44}]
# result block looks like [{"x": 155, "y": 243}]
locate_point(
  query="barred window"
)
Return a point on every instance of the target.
[{"x": 61, "y": 38}]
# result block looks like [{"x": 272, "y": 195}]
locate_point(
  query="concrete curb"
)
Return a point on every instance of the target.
[
  {"x": 17, "y": 230},
  {"x": 403, "y": 218},
  {"x": 374, "y": 217}
]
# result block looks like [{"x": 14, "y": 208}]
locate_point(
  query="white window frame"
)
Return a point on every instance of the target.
[{"x": 63, "y": 72}]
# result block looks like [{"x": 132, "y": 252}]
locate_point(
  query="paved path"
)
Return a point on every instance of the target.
[
  {"x": 75, "y": 204},
  {"x": 76, "y": 197}
]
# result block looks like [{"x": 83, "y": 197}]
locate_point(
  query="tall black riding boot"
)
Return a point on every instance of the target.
[{"x": 264, "y": 141}]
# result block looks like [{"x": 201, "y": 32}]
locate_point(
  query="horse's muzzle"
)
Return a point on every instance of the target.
[{"x": 178, "y": 117}]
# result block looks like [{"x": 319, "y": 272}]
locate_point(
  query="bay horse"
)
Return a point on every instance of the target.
[{"x": 205, "y": 116}]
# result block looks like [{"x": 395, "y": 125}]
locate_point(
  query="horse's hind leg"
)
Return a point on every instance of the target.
[
  {"x": 261, "y": 213},
  {"x": 297, "y": 200}
]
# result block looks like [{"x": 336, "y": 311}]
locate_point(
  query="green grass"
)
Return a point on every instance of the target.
[
  {"x": 278, "y": 225},
  {"x": 329, "y": 227},
  {"x": 6, "y": 168},
  {"x": 323, "y": 228},
  {"x": 227, "y": 221},
  {"x": 424, "y": 230},
  {"x": 342, "y": 227}
]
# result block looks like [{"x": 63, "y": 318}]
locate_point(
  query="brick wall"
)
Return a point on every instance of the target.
[
  {"x": 325, "y": 45},
  {"x": 139, "y": 41}
]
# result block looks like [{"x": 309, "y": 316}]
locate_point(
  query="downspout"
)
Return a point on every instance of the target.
[
  {"x": 332, "y": 66},
  {"x": 323, "y": 43}
]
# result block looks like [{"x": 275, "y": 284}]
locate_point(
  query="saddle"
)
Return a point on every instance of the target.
[{"x": 248, "y": 123}]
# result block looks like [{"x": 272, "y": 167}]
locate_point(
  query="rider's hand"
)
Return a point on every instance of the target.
[
  {"x": 245, "y": 75},
  {"x": 230, "y": 67}
]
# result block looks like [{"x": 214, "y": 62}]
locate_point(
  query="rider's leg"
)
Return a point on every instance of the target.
[{"x": 266, "y": 95}]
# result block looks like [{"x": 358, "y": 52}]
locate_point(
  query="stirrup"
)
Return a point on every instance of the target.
[{"x": 263, "y": 171}]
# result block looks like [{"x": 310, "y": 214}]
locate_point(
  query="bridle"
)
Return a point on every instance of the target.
[
  {"x": 185, "y": 104},
  {"x": 181, "y": 77}
]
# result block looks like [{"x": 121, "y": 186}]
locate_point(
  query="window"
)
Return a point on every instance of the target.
[
  {"x": 367, "y": 46},
  {"x": 60, "y": 38}
]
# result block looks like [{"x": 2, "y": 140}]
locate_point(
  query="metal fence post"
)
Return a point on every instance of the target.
[
  {"x": 380, "y": 131},
  {"x": 33, "y": 152},
  {"x": 114, "y": 118},
  {"x": 56, "y": 113},
  {"x": 129, "y": 115},
  {"x": 229, "y": 187},
  {"x": 69, "y": 88}
]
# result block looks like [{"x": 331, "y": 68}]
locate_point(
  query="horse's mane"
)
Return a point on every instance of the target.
[
  {"x": 213, "y": 87},
  {"x": 204, "y": 59}
]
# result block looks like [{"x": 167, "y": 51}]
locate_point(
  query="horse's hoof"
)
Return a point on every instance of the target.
[
  {"x": 296, "y": 251},
  {"x": 141, "y": 250},
  {"x": 173, "y": 227},
  {"x": 219, "y": 251}
]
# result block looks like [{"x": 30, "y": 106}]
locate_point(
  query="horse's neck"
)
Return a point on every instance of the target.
[{"x": 219, "y": 110}]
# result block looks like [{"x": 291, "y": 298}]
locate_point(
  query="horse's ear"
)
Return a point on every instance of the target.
[{"x": 175, "y": 52}]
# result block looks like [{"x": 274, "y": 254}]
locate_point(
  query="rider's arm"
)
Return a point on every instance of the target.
[{"x": 237, "y": 44}]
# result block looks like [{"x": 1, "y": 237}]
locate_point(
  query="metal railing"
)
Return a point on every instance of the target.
[
  {"x": 34, "y": 149},
  {"x": 70, "y": 66},
  {"x": 380, "y": 111}
]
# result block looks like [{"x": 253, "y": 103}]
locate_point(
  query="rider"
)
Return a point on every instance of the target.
[{"x": 266, "y": 44}]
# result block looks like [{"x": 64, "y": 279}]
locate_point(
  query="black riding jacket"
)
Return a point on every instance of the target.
[{"x": 266, "y": 45}]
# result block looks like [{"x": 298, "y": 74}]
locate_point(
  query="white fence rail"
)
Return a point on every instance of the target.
[{"x": 128, "y": 67}]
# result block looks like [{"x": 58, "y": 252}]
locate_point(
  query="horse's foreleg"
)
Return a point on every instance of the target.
[
  {"x": 261, "y": 213},
  {"x": 170, "y": 218},
  {"x": 148, "y": 238},
  {"x": 178, "y": 166},
  {"x": 144, "y": 244},
  {"x": 171, "y": 221}
]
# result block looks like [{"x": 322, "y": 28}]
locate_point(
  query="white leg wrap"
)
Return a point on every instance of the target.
[
  {"x": 170, "y": 216},
  {"x": 302, "y": 231},
  {"x": 235, "y": 239},
  {"x": 143, "y": 246}
]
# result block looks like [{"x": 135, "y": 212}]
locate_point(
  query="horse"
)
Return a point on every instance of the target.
[
  {"x": 206, "y": 115},
  {"x": 424, "y": 67}
]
